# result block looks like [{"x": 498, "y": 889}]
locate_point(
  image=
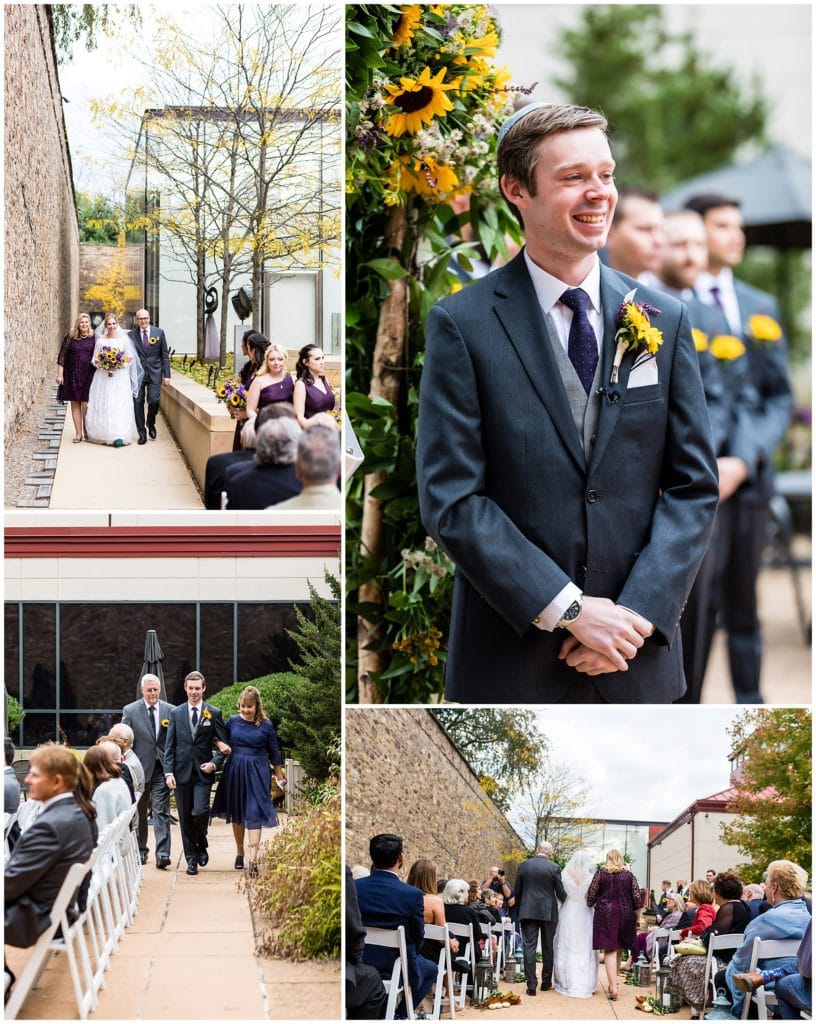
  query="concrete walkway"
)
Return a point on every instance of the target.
[
  {"x": 190, "y": 955},
  {"x": 148, "y": 476}
]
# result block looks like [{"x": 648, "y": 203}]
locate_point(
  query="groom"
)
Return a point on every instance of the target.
[
  {"x": 577, "y": 508},
  {"x": 151, "y": 348},
  {"x": 189, "y": 765}
]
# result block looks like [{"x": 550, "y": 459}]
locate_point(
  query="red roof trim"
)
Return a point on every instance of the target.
[{"x": 296, "y": 541}]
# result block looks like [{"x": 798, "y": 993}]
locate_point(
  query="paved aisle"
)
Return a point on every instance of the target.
[
  {"x": 148, "y": 476},
  {"x": 190, "y": 955}
]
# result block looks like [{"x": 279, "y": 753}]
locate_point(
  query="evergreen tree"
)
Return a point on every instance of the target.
[{"x": 671, "y": 113}]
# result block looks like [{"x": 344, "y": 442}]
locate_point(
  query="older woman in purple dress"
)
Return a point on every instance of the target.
[
  {"x": 615, "y": 895},
  {"x": 75, "y": 371},
  {"x": 313, "y": 393}
]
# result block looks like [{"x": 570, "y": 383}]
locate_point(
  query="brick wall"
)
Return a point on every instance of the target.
[
  {"x": 404, "y": 775},
  {"x": 42, "y": 240}
]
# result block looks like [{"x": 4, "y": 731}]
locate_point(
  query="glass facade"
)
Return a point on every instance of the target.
[
  {"x": 598, "y": 836},
  {"x": 73, "y": 666}
]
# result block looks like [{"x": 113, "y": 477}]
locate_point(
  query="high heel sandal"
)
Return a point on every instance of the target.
[
  {"x": 76, "y": 440},
  {"x": 611, "y": 995}
]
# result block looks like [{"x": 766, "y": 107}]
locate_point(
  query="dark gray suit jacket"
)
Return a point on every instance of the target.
[
  {"x": 538, "y": 889},
  {"x": 183, "y": 753},
  {"x": 148, "y": 747},
  {"x": 156, "y": 360},
  {"x": 506, "y": 490},
  {"x": 59, "y": 837}
]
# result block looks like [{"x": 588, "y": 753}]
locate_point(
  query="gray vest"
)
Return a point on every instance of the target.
[{"x": 585, "y": 408}]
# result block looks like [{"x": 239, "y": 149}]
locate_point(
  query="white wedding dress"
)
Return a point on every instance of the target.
[
  {"x": 575, "y": 968},
  {"x": 111, "y": 416}
]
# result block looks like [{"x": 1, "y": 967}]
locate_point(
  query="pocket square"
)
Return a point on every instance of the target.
[{"x": 644, "y": 372}]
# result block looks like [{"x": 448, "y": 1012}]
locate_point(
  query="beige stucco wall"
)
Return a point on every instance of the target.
[{"x": 673, "y": 857}]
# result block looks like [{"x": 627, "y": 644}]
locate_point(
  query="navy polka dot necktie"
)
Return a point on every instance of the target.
[{"x": 583, "y": 345}]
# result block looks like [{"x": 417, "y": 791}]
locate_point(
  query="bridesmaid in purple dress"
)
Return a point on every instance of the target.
[
  {"x": 271, "y": 383},
  {"x": 615, "y": 895},
  {"x": 313, "y": 393},
  {"x": 75, "y": 371}
]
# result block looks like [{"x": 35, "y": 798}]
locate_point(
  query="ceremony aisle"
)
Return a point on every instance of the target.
[{"x": 190, "y": 955}]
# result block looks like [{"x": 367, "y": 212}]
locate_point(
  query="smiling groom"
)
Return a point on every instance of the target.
[{"x": 572, "y": 482}]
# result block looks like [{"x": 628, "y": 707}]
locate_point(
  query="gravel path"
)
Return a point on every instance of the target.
[{"x": 19, "y": 461}]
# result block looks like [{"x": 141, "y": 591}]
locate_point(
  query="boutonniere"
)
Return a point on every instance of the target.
[
  {"x": 206, "y": 713},
  {"x": 700, "y": 339},
  {"x": 727, "y": 347},
  {"x": 634, "y": 331},
  {"x": 153, "y": 340},
  {"x": 165, "y": 722},
  {"x": 764, "y": 328}
]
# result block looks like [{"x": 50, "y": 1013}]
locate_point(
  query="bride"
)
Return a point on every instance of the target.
[
  {"x": 111, "y": 418},
  {"x": 576, "y": 962}
]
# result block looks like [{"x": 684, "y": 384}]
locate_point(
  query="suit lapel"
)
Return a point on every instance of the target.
[
  {"x": 519, "y": 312},
  {"x": 612, "y": 293}
]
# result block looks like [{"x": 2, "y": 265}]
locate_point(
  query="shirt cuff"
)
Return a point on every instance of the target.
[{"x": 549, "y": 616}]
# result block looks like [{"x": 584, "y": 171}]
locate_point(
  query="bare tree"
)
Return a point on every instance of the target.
[{"x": 550, "y": 805}]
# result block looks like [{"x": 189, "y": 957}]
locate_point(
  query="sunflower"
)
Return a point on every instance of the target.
[
  {"x": 764, "y": 328},
  {"x": 419, "y": 100},
  {"x": 409, "y": 18},
  {"x": 726, "y": 346},
  {"x": 425, "y": 176},
  {"x": 700, "y": 339}
]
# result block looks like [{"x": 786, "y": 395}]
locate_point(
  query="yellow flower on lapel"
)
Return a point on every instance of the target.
[
  {"x": 700, "y": 339},
  {"x": 726, "y": 346},
  {"x": 634, "y": 331},
  {"x": 165, "y": 722},
  {"x": 153, "y": 340},
  {"x": 764, "y": 328},
  {"x": 206, "y": 713}
]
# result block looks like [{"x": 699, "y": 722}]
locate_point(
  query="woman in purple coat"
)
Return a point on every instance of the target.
[
  {"x": 75, "y": 371},
  {"x": 615, "y": 895}
]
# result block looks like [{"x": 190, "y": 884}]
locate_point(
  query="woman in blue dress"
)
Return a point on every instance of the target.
[{"x": 243, "y": 794}]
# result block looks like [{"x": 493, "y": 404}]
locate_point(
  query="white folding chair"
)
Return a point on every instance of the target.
[
  {"x": 73, "y": 943},
  {"x": 715, "y": 944},
  {"x": 39, "y": 951},
  {"x": 674, "y": 937},
  {"x": 439, "y": 932},
  {"x": 659, "y": 933},
  {"x": 498, "y": 931},
  {"x": 398, "y": 984},
  {"x": 767, "y": 949},
  {"x": 467, "y": 949}
]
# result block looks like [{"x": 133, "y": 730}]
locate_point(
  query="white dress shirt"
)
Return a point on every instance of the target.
[{"x": 728, "y": 296}]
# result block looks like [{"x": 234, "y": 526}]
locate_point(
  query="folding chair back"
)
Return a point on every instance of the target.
[
  {"x": 398, "y": 984},
  {"x": 439, "y": 932},
  {"x": 716, "y": 943},
  {"x": 766, "y": 949},
  {"x": 659, "y": 933},
  {"x": 467, "y": 948}
]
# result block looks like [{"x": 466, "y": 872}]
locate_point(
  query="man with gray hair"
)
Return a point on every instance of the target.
[
  {"x": 270, "y": 478},
  {"x": 538, "y": 890},
  {"x": 317, "y": 466},
  {"x": 149, "y": 718},
  {"x": 123, "y": 732}
]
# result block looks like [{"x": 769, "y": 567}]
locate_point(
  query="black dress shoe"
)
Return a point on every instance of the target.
[
  {"x": 151, "y": 433},
  {"x": 143, "y": 858},
  {"x": 142, "y": 438},
  {"x": 545, "y": 987},
  {"x": 162, "y": 862},
  {"x": 531, "y": 991},
  {"x": 192, "y": 867},
  {"x": 203, "y": 858}
]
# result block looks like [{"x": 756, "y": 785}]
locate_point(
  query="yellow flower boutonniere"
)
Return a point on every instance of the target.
[
  {"x": 634, "y": 331},
  {"x": 165, "y": 722},
  {"x": 206, "y": 714},
  {"x": 764, "y": 328},
  {"x": 700, "y": 339},
  {"x": 153, "y": 340},
  {"x": 726, "y": 346}
]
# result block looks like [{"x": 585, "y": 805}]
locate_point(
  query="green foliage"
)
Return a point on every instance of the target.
[
  {"x": 672, "y": 112},
  {"x": 199, "y": 371},
  {"x": 75, "y": 22},
  {"x": 774, "y": 798},
  {"x": 504, "y": 747},
  {"x": 298, "y": 892},
  {"x": 100, "y": 220},
  {"x": 15, "y": 713}
]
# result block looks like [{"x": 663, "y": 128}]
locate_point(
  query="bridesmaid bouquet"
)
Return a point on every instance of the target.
[
  {"x": 110, "y": 359},
  {"x": 233, "y": 393}
]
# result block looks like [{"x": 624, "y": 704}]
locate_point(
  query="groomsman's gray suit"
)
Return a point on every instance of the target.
[
  {"x": 528, "y": 484},
  {"x": 148, "y": 746}
]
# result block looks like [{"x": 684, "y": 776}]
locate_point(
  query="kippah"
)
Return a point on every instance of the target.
[{"x": 528, "y": 108}]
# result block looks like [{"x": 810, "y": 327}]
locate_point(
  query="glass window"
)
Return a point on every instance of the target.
[
  {"x": 264, "y": 645},
  {"x": 216, "y": 645},
  {"x": 40, "y": 655},
  {"x": 11, "y": 625}
]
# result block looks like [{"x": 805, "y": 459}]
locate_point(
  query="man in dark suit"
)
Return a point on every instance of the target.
[
  {"x": 576, "y": 502},
  {"x": 61, "y": 835},
  {"x": 190, "y": 765},
  {"x": 366, "y": 997},
  {"x": 151, "y": 348},
  {"x": 149, "y": 719},
  {"x": 746, "y": 468},
  {"x": 538, "y": 889},
  {"x": 387, "y": 902},
  {"x": 270, "y": 477}
]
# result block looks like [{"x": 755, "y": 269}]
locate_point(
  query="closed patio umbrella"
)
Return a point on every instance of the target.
[{"x": 152, "y": 664}]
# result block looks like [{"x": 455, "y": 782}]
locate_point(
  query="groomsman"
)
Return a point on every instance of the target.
[
  {"x": 746, "y": 471},
  {"x": 636, "y": 241},
  {"x": 149, "y": 718}
]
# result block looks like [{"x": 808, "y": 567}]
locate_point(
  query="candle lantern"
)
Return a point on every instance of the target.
[
  {"x": 666, "y": 993},
  {"x": 484, "y": 983}
]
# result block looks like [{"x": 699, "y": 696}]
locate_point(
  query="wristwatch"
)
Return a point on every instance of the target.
[{"x": 570, "y": 615}]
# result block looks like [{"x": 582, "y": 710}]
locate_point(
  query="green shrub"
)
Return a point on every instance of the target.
[
  {"x": 15, "y": 713},
  {"x": 297, "y": 895}
]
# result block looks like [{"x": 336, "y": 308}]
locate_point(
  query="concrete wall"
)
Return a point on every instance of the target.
[
  {"x": 41, "y": 233},
  {"x": 404, "y": 775}
]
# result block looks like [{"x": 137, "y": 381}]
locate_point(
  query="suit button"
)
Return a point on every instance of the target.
[
  {"x": 591, "y": 496},
  {"x": 581, "y": 571}
]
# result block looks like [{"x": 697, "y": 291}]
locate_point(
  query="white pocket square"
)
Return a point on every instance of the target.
[{"x": 644, "y": 372}]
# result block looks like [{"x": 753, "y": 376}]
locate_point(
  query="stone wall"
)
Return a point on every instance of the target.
[
  {"x": 404, "y": 775},
  {"x": 42, "y": 237}
]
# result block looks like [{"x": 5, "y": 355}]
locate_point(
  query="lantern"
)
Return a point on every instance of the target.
[
  {"x": 637, "y": 967},
  {"x": 484, "y": 983},
  {"x": 646, "y": 974},
  {"x": 720, "y": 1008},
  {"x": 510, "y": 968},
  {"x": 665, "y": 992}
]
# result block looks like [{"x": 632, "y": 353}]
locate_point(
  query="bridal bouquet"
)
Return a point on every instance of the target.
[
  {"x": 233, "y": 393},
  {"x": 110, "y": 358}
]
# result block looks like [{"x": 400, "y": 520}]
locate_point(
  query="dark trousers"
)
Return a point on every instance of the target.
[
  {"x": 366, "y": 997},
  {"x": 695, "y": 629},
  {"x": 155, "y": 800},
  {"x": 531, "y": 930},
  {"x": 193, "y": 803},
  {"x": 152, "y": 392}
]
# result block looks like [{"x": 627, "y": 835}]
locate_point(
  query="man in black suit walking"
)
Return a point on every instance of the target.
[
  {"x": 151, "y": 348},
  {"x": 538, "y": 889},
  {"x": 189, "y": 765}
]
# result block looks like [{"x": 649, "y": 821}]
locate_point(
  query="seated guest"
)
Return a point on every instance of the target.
[
  {"x": 792, "y": 982},
  {"x": 116, "y": 749},
  {"x": 217, "y": 465},
  {"x": 493, "y": 903},
  {"x": 787, "y": 918},
  {"x": 660, "y": 906},
  {"x": 754, "y": 896},
  {"x": 387, "y": 902},
  {"x": 11, "y": 787},
  {"x": 109, "y": 793},
  {"x": 123, "y": 732},
  {"x": 476, "y": 900},
  {"x": 674, "y": 905},
  {"x": 317, "y": 466},
  {"x": 701, "y": 898},
  {"x": 454, "y": 896},
  {"x": 270, "y": 478},
  {"x": 63, "y": 834},
  {"x": 366, "y": 998},
  {"x": 422, "y": 874}
]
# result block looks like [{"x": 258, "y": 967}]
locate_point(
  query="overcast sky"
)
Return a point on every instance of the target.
[{"x": 643, "y": 763}]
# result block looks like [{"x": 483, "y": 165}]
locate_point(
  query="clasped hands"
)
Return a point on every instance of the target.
[{"x": 604, "y": 637}]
